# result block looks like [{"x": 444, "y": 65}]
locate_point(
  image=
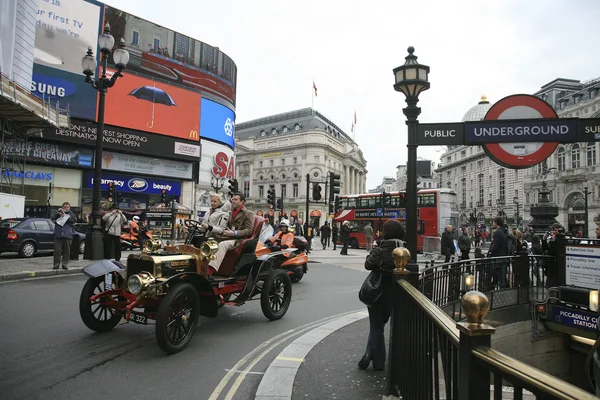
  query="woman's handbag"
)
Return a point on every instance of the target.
[{"x": 371, "y": 289}]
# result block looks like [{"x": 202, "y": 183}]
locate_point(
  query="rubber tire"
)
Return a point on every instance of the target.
[
  {"x": 22, "y": 254},
  {"x": 295, "y": 278},
  {"x": 162, "y": 317},
  {"x": 354, "y": 243},
  {"x": 265, "y": 304},
  {"x": 85, "y": 311}
]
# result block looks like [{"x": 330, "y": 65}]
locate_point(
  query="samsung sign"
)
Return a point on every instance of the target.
[
  {"x": 217, "y": 123},
  {"x": 131, "y": 184}
]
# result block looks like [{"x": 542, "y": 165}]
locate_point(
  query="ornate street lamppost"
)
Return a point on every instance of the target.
[
  {"x": 411, "y": 79},
  {"x": 217, "y": 183},
  {"x": 120, "y": 57},
  {"x": 516, "y": 201}
]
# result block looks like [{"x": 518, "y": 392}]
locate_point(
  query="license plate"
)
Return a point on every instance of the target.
[{"x": 138, "y": 318}]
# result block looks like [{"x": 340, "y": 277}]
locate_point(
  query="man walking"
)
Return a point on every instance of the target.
[
  {"x": 325, "y": 235},
  {"x": 345, "y": 236},
  {"x": 369, "y": 236},
  {"x": 464, "y": 244},
  {"x": 499, "y": 248},
  {"x": 334, "y": 235},
  {"x": 63, "y": 220},
  {"x": 447, "y": 245}
]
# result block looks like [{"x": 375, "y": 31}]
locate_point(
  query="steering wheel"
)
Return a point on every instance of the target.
[{"x": 192, "y": 223}]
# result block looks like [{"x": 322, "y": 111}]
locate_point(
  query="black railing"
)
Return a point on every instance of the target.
[
  {"x": 507, "y": 281},
  {"x": 432, "y": 357}
]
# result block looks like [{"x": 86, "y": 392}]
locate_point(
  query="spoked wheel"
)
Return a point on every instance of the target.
[
  {"x": 97, "y": 316},
  {"x": 177, "y": 318},
  {"x": 276, "y": 294}
]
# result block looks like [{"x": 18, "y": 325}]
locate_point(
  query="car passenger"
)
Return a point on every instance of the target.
[
  {"x": 217, "y": 216},
  {"x": 240, "y": 226}
]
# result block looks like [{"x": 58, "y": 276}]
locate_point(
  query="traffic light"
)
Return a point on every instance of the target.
[
  {"x": 112, "y": 193},
  {"x": 163, "y": 197},
  {"x": 316, "y": 195},
  {"x": 403, "y": 200},
  {"x": 280, "y": 204},
  {"x": 338, "y": 204},
  {"x": 233, "y": 186},
  {"x": 334, "y": 185},
  {"x": 271, "y": 197}
]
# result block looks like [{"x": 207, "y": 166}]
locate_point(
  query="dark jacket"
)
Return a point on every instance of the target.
[
  {"x": 298, "y": 231},
  {"x": 447, "y": 245},
  {"x": 65, "y": 231},
  {"x": 380, "y": 259},
  {"x": 499, "y": 245},
  {"x": 464, "y": 243},
  {"x": 345, "y": 233},
  {"x": 326, "y": 231},
  {"x": 334, "y": 232}
]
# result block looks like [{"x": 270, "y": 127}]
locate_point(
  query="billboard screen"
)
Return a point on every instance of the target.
[
  {"x": 217, "y": 123},
  {"x": 146, "y": 105},
  {"x": 160, "y": 52},
  {"x": 64, "y": 30},
  {"x": 126, "y": 140}
]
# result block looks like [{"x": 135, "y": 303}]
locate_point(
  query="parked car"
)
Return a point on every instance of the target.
[{"x": 27, "y": 236}]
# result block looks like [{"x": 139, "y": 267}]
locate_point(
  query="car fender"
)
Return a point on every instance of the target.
[
  {"x": 208, "y": 300},
  {"x": 102, "y": 267},
  {"x": 265, "y": 257}
]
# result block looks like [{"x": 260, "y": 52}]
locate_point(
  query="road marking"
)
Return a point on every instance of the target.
[
  {"x": 290, "y": 359},
  {"x": 270, "y": 345},
  {"x": 246, "y": 372}
]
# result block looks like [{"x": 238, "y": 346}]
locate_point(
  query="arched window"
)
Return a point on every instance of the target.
[
  {"x": 591, "y": 154},
  {"x": 560, "y": 159},
  {"x": 575, "y": 160}
]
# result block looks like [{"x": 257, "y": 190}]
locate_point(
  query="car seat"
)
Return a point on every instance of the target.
[{"x": 247, "y": 245}]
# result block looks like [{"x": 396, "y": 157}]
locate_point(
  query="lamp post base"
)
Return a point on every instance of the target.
[{"x": 94, "y": 244}]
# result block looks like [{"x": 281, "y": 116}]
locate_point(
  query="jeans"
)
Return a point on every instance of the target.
[
  {"x": 379, "y": 315},
  {"x": 62, "y": 249},
  {"x": 345, "y": 248},
  {"x": 369, "y": 243},
  {"x": 325, "y": 241},
  {"x": 112, "y": 247}
]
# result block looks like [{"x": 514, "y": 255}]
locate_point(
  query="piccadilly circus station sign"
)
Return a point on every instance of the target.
[{"x": 519, "y": 131}]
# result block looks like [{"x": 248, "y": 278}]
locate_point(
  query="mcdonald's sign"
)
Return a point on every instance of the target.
[{"x": 194, "y": 134}]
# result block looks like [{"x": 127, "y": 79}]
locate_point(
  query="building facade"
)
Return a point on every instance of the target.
[
  {"x": 281, "y": 151},
  {"x": 177, "y": 95},
  {"x": 574, "y": 166},
  {"x": 486, "y": 189},
  {"x": 388, "y": 184},
  {"x": 427, "y": 178}
]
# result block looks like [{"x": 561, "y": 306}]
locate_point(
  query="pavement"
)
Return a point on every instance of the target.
[{"x": 321, "y": 364}]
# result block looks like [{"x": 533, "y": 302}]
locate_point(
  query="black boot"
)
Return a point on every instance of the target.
[{"x": 364, "y": 361}]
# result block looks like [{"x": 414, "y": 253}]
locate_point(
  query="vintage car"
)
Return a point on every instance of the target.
[{"x": 172, "y": 287}]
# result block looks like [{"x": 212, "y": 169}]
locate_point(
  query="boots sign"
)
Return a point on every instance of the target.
[{"x": 518, "y": 131}]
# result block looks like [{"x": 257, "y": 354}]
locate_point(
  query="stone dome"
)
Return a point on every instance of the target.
[{"x": 477, "y": 113}]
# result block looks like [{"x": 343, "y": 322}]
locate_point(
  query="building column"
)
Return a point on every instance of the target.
[
  {"x": 346, "y": 179},
  {"x": 357, "y": 181}
]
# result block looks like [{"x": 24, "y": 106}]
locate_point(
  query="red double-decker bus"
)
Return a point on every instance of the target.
[{"x": 436, "y": 208}]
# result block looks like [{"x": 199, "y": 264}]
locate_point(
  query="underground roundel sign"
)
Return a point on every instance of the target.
[{"x": 523, "y": 154}]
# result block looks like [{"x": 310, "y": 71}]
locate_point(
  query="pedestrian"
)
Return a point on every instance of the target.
[
  {"x": 298, "y": 231},
  {"x": 63, "y": 220},
  {"x": 308, "y": 230},
  {"x": 334, "y": 235},
  {"x": 447, "y": 244},
  {"x": 369, "y": 236},
  {"x": 464, "y": 244},
  {"x": 551, "y": 249},
  {"x": 113, "y": 220},
  {"x": 345, "y": 237},
  {"x": 521, "y": 262},
  {"x": 380, "y": 259},
  {"x": 499, "y": 248},
  {"x": 325, "y": 235}
]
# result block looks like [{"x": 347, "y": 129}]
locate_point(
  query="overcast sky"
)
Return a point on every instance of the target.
[{"x": 349, "y": 48}]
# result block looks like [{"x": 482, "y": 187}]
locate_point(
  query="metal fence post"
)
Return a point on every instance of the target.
[
  {"x": 473, "y": 382},
  {"x": 394, "y": 348}
]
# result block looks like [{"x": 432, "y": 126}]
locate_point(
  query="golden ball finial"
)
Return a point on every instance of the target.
[
  {"x": 401, "y": 256},
  {"x": 475, "y": 306},
  {"x": 483, "y": 97}
]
